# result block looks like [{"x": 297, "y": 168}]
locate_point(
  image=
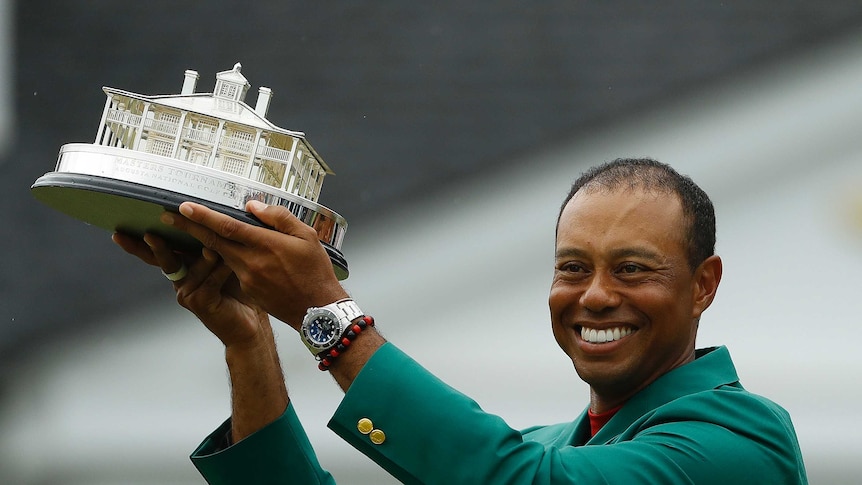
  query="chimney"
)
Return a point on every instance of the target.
[
  {"x": 190, "y": 82},
  {"x": 264, "y": 95}
]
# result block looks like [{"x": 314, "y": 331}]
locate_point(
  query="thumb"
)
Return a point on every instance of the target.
[{"x": 277, "y": 217}]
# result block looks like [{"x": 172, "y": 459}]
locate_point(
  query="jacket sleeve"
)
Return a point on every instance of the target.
[
  {"x": 277, "y": 453},
  {"x": 423, "y": 431}
]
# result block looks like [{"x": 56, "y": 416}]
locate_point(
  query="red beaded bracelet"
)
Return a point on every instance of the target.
[{"x": 327, "y": 358}]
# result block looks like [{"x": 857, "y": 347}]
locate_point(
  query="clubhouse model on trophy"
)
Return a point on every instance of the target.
[{"x": 152, "y": 153}]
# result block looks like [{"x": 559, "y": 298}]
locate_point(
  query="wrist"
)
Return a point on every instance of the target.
[
  {"x": 244, "y": 331},
  {"x": 346, "y": 368},
  {"x": 258, "y": 391},
  {"x": 261, "y": 342},
  {"x": 319, "y": 299}
]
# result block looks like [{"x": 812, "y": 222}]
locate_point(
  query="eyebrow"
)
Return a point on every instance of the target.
[
  {"x": 636, "y": 252},
  {"x": 569, "y": 253}
]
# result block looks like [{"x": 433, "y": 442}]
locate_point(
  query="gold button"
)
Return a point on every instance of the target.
[
  {"x": 364, "y": 425},
  {"x": 377, "y": 437}
]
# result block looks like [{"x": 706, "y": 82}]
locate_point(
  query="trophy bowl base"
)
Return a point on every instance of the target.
[{"x": 135, "y": 209}]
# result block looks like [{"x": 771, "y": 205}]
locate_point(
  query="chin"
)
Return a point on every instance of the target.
[{"x": 603, "y": 375}]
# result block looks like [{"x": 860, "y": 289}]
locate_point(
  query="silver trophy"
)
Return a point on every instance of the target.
[{"x": 152, "y": 153}]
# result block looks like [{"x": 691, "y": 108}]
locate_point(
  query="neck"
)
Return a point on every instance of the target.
[{"x": 599, "y": 405}]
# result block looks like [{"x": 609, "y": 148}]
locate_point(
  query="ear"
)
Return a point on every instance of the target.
[{"x": 706, "y": 279}]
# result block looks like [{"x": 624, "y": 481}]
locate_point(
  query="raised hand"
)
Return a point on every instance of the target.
[
  {"x": 285, "y": 270},
  {"x": 205, "y": 286},
  {"x": 209, "y": 289}
]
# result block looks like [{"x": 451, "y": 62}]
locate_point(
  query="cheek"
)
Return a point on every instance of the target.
[
  {"x": 559, "y": 298},
  {"x": 670, "y": 310},
  {"x": 557, "y": 305},
  {"x": 561, "y": 302},
  {"x": 554, "y": 309},
  {"x": 563, "y": 336}
]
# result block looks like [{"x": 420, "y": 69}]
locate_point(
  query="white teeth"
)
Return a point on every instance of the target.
[
  {"x": 594, "y": 336},
  {"x": 601, "y": 338}
]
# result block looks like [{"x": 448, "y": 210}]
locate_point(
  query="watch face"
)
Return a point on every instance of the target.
[{"x": 322, "y": 330}]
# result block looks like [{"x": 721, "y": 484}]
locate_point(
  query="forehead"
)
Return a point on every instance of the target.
[{"x": 623, "y": 216}]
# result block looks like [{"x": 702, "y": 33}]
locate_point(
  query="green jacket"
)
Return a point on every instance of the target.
[{"x": 695, "y": 424}]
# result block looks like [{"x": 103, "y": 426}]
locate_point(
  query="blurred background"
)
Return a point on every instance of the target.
[{"x": 455, "y": 129}]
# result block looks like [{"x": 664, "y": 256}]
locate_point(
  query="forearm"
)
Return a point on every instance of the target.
[{"x": 258, "y": 392}]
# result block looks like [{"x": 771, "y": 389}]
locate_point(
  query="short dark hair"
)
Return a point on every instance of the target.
[{"x": 649, "y": 174}]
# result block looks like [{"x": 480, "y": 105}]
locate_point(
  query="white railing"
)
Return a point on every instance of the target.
[
  {"x": 272, "y": 153},
  {"x": 236, "y": 144},
  {"x": 123, "y": 117},
  {"x": 165, "y": 127},
  {"x": 204, "y": 136}
]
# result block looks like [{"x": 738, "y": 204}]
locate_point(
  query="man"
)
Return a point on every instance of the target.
[{"x": 634, "y": 270}]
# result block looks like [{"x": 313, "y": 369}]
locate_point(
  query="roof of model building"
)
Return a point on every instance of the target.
[
  {"x": 209, "y": 104},
  {"x": 234, "y": 76}
]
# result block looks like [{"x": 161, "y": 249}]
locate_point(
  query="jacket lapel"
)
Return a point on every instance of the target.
[{"x": 711, "y": 368}]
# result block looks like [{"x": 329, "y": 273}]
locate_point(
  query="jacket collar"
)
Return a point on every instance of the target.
[{"x": 711, "y": 368}]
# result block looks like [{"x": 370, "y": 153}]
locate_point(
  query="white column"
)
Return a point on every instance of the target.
[
  {"x": 290, "y": 167},
  {"x": 253, "y": 154},
  {"x": 318, "y": 182},
  {"x": 102, "y": 125},
  {"x": 306, "y": 174},
  {"x": 180, "y": 126},
  {"x": 218, "y": 134},
  {"x": 140, "y": 131}
]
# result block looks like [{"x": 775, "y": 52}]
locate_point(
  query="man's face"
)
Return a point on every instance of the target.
[{"x": 624, "y": 302}]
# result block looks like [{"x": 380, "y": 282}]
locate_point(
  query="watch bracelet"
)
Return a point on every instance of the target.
[{"x": 348, "y": 308}]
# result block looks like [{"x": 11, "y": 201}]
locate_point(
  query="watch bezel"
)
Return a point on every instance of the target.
[
  {"x": 343, "y": 312},
  {"x": 312, "y": 315}
]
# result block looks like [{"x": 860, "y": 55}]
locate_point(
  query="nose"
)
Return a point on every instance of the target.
[{"x": 600, "y": 293}]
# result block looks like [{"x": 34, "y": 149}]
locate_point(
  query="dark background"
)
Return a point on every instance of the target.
[{"x": 400, "y": 99}]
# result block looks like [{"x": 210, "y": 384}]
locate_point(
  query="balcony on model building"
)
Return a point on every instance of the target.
[{"x": 216, "y": 130}]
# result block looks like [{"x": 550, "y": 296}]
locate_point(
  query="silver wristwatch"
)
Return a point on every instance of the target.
[{"x": 323, "y": 327}]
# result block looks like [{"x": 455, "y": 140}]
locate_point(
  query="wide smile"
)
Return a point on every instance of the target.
[{"x": 605, "y": 335}]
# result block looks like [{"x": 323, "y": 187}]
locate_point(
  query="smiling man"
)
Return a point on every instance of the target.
[{"x": 634, "y": 270}]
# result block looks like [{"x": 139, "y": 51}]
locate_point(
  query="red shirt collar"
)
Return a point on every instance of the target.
[{"x": 601, "y": 419}]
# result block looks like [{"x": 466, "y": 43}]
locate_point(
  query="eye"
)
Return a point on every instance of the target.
[
  {"x": 572, "y": 267},
  {"x": 629, "y": 268}
]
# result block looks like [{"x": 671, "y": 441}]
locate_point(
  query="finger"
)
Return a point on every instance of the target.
[
  {"x": 281, "y": 219},
  {"x": 217, "y": 278},
  {"x": 208, "y": 237},
  {"x": 222, "y": 225},
  {"x": 167, "y": 259},
  {"x": 136, "y": 247},
  {"x": 202, "y": 292},
  {"x": 199, "y": 270}
]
